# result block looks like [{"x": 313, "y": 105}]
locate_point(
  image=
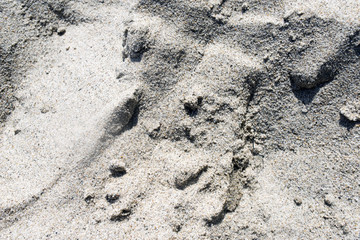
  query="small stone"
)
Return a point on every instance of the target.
[
  {"x": 177, "y": 228},
  {"x": 292, "y": 37},
  {"x": 89, "y": 196},
  {"x": 304, "y": 110},
  {"x": 351, "y": 111},
  {"x": 120, "y": 215},
  {"x": 88, "y": 199},
  {"x": 297, "y": 201},
  {"x": 266, "y": 58},
  {"x": 111, "y": 198},
  {"x": 153, "y": 128},
  {"x": 61, "y": 31},
  {"x": 117, "y": 168},
  {"x": 17, "y": 131},
  {"x": 245, "y": 7},
  {"x": 123, "y": 112},
  {"x": 44, "y": 110},
  {"x": 310, "y": 75},
  {"x": 329, "y": 200},
  {"x": 192, "y": 103},
  {"x": 53, "y": 28}
]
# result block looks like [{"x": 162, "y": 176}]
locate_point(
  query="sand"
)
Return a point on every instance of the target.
[{"x": 217, "y": 119}]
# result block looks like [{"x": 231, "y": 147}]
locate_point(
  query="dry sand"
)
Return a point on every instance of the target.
[{"x": 208, "y": 119}]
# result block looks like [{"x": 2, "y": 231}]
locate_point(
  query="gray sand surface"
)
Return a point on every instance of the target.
[{"x": 179, "y": 119}]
